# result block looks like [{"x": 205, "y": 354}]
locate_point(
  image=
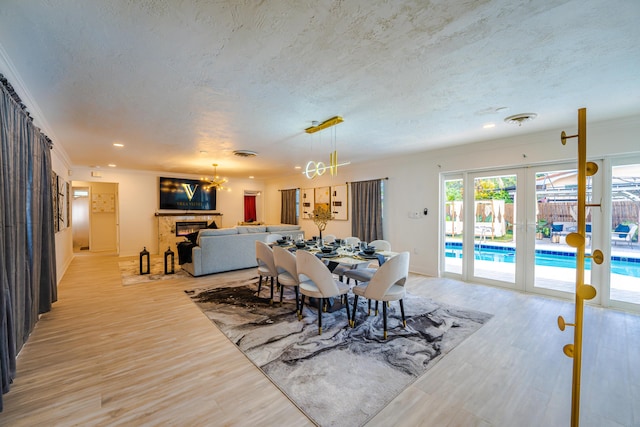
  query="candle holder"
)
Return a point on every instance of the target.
[
  {"x": 145, "y": 254},
  {"x": 169, "y": 256}
]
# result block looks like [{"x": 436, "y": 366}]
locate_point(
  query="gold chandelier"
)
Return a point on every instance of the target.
[{"x": 217, "y": 182}]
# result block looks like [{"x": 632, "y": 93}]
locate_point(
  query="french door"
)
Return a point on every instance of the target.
[
  {"x": 481, "y": 232},
  {"x": 514, "y": 239}
]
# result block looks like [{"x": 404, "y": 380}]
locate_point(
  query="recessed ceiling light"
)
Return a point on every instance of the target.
[
  {"x": 297, "y": 167},
  {"x": 118, "y": 144},
  {"x": 489, "y": 126},
  {"x": 204, "y": 152},
  {"x": 250, "y": 176},
  {"x": 520, "y": 118},
  {"x": 112, "y": 165}
]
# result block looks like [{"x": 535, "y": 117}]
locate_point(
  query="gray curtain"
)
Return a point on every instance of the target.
[
  {"x": 27, "y": 248},
  {"x": 288, "y": 206},
  {"x": 366, "y": 211}
]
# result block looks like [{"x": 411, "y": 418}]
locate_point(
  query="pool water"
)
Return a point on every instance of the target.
[{"x": 619, "y": 265}]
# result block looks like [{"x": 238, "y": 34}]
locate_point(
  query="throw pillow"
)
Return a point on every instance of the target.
[{"x": 212, "y": 225}]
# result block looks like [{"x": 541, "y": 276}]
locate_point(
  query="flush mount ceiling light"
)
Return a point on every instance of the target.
[
  {"x": 520, "y": 118},
  {"x": 245, "y": 153}
]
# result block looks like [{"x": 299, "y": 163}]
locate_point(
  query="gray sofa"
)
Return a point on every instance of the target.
[{"x": 226, "y": 249}]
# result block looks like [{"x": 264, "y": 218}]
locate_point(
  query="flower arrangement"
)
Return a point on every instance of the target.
[{"x": 320, "y": 216}]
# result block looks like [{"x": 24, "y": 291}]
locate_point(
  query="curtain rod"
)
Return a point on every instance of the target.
[
  {"x": 14, "y": 95},
  {"x": 385, "y": 178},
  {"x": 285, "y": 189}
]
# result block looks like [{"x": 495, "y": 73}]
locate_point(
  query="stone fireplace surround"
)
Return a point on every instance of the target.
[{"x": 167, "y": 226}]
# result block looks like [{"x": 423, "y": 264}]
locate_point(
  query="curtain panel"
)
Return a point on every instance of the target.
[
  {"x": 27, "y": 248},
  {"x": 250, "y": 208},
  {"x": 288, "y": 207},
  {"x": 366, "y": 211}
]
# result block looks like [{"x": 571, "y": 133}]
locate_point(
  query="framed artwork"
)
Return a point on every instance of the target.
[
  {"x": 54, "y": 201},
  {"x": 323, "y": 197},
  {"x": 307, "y": 202},
  {"x": 61, "y": 190},
  {"x": 339, "y": 202}
]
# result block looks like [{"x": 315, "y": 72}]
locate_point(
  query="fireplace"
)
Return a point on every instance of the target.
[{"x": 187, "y": 227}]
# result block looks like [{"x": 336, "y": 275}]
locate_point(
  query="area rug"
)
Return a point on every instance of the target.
[
  {"x": 130, "y": 271},
  {"x": 346, "y": 375}
]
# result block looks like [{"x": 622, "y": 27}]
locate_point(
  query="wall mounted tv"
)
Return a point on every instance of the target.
[{"x": 187, "y": 194}]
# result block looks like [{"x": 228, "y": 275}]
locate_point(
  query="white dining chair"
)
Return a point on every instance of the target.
[
  {"x": 285, "y": 263},
  {"x": 316, "y": 281},
  {"x": 384, "y": 287},
  {"x": 266, "y": 265}
]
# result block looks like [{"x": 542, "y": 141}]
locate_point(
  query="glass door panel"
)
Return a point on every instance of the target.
[
  {"x": 625, "y": 217},
  {"x": 493, "y": 219},
  {"x": 453, "y": 214},
  {"x": 556, "y": 216}
]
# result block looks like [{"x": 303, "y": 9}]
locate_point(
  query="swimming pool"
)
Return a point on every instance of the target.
[{"x": 619, "y": 265}]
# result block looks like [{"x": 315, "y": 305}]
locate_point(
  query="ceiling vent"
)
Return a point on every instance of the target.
[
  {"x": 520, "y": 118},
  {"x": 245, "y": 153}
]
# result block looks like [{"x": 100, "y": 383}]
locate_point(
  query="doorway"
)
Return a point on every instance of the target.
[{"x": 95, "y": 217}]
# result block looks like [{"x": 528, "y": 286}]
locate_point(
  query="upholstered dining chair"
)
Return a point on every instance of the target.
[
  {"x": 384, "y": 287},
  {"x": 341, "y": 269},
  {"x": 329, "y": 238},
  {"x": 316, "y": 281},
  {"x": 285, "y": 263},
  {"x": 381, "y": 245},
  {"x": 266, "y": 265},
  {"x": 272, "y": 238},
  {"x": 364, "y": 274}
]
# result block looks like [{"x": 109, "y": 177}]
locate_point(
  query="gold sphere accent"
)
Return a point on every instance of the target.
[
  {"x": 568, "y": 350},
  {"x": 586, "y": 292},
  {"x": 597, "y": 256},
  {"x": 561, "y": 324},
  {"x": 592, "y": 168},
  {"x": 575, "y": 240},
  {"x": 563, "y": 138}
]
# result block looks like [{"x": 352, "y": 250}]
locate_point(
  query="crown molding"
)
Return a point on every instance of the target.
[{"x": 7, "y": 68}]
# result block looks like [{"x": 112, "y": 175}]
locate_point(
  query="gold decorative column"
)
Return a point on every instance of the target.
[{"x": 577, "y": 240}]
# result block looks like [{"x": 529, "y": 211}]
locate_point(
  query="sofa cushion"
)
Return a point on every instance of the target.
[
  {"x": 283, "y": 227},
  {"x": 557, "y": 227},
  {"x": 246, "y": 229}
]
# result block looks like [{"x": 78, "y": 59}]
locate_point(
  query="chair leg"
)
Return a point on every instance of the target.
[
  {"x": 404, "y": 322},
  {"x": 384, "y": 318},
  {"x": 320, "y": 304},
  {"x": 297, "y": 298},
  {"x": 353, "y": 315},
  {"x": 346, "y": 306},
  {"x": 271, "y": 299},
  {"x": 301, "y": 307},
  {"x": 368, "y": 307},
  {"x": 377, "y": 307},
  {"x": 259, "y": 284},
  {"x": 281, "y": 292}
]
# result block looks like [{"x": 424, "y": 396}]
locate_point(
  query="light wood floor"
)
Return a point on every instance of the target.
[{"x": 146, "y": 355}]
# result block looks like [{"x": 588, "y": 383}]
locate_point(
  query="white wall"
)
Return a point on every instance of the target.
[
  {"x": 414, "y": 180},
  {"x": 139, "y": 200},
  {"x": 64, "y": 238}
]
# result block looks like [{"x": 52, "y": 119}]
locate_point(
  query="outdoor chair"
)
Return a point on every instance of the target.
[{"x": 624, "y": 233}]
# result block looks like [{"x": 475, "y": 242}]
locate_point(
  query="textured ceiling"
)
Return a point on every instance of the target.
[{"x": 171, "y": 79}]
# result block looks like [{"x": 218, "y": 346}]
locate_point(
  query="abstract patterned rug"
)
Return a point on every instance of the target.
[
  {"x": 345, "y": 376},
  {"x": 130, "y": 271}
]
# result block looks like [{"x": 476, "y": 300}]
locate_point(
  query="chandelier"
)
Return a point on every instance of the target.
[{"x": 217, "y": 182}]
